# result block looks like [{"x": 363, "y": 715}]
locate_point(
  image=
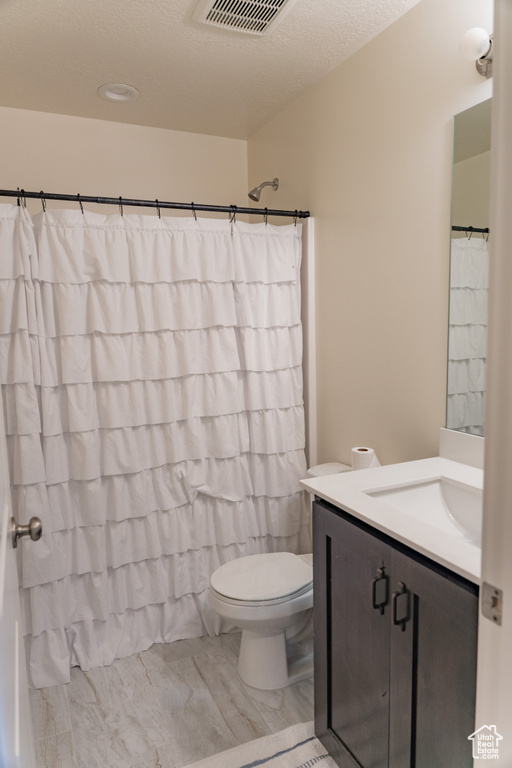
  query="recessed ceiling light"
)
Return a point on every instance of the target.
[{"x": 118, "y": 92}]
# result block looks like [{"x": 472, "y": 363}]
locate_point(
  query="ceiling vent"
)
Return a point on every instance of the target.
[{"x": 256, "y": 17}]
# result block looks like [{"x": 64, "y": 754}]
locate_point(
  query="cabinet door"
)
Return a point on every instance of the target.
[
  {"x": 395, "y": 673},
  {"x": 433, "y": 667},
  {"x": 352, "y": 641}
]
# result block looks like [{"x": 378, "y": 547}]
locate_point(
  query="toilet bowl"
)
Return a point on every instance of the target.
[{"x": 270, "y": 598}]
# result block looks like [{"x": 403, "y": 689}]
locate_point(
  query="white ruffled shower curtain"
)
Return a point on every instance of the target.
[
  {"x": 152, "y": 381},
  {"x": 467, "y": 345}
]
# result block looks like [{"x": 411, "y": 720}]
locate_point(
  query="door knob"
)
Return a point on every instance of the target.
[{"x": 34, "y": 529}]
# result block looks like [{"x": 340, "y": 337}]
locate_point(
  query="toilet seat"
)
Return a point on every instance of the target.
[
  {"x": 267, "y": 578},
  {"x": 256, "y": 603}
]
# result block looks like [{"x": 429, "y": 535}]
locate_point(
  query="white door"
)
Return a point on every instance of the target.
[{"x": 16, "y": 737}]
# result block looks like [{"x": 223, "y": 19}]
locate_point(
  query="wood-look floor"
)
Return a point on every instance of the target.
[{"x": 163, "y": 708}]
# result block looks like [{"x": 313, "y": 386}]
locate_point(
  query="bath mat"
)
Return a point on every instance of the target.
[{"x": 295, "y": 747}]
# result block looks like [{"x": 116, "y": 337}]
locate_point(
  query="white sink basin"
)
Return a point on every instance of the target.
[
  {"x": 450, "y": 506},
  {"x": 431, "y": 505}
]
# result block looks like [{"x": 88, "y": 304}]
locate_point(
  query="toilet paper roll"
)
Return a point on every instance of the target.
[{"x": 364, "y": 458}]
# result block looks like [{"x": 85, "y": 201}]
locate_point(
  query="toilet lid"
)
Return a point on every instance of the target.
[{"x": 262, "y": 577}]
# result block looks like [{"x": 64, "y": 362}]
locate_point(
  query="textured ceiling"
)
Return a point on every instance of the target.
[{"x": 54, "y": 54}]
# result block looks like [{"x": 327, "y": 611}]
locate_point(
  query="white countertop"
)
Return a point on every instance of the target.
[{"x": 350, "y": 491}]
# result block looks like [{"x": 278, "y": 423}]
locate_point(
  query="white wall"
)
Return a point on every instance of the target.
[
  {"x": 57, "y": 153},
  {"x": 368, "y": 151}
]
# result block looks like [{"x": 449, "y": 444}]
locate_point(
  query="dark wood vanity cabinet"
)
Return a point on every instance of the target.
[{"x": 395, "y": 650}]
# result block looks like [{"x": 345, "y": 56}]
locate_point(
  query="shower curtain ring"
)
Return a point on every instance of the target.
[
  {"x": 265, "y": 216},
  {"x": 158, "y": 208},
  {"x": 295, "y": 218},
  {"x": 232, "y": 215},
  {"x": 194, "y": 211},
  {"x": 80, "y": 203},
  {"x": 121, "y": 206},
  {"x": 43, "y": 201}
]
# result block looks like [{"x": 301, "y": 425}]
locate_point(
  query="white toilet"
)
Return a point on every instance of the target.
[{"x": 270, "y": 597}]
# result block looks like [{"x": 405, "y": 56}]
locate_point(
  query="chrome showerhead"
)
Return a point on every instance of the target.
[{"x": 255, "y": 193}]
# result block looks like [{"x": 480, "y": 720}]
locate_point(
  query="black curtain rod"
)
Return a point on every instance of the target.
[
  {"x": 471, "y": 229},
  {"x": 232, "y": 210}
]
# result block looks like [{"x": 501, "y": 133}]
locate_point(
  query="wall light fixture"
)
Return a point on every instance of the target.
[{"x": 477, "y": 45}]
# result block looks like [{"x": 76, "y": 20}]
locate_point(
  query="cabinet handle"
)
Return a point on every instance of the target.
[
  {"x": 401, "y": 606},
  {"x": 380, "y": 590}
]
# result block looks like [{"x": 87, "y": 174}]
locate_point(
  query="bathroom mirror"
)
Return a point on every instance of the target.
[{"x": 469, "y": 268}]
